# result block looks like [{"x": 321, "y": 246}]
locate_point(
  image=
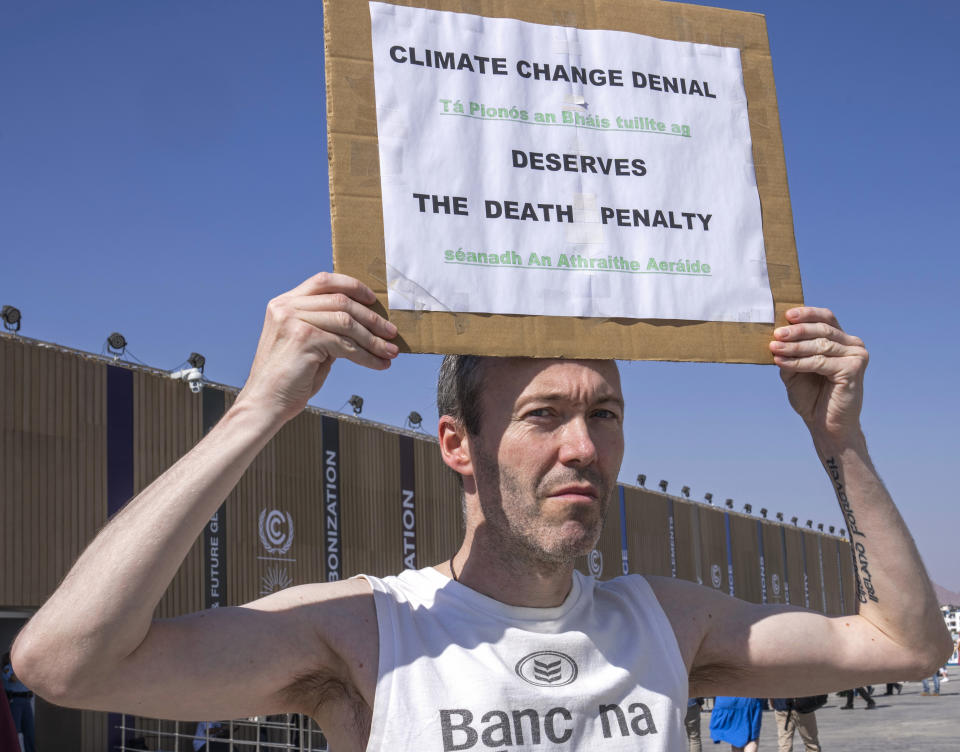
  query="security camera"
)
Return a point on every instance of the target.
[{"x": 192, "y": 376}]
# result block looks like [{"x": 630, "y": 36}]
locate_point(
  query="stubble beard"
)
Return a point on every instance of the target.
[{"x": 524, "y": 533}]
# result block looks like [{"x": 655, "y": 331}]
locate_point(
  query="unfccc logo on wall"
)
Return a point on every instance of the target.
[
  {"x": 715, "y": 576},
  {"x": 775, "y": 583},
  {"x": 276, "y": 531},
  {"x": 595, "y": 563}
]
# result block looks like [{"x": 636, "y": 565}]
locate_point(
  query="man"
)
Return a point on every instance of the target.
[
  {"x": 797, "y": 714},
  {"x": 505, "y": 644}
]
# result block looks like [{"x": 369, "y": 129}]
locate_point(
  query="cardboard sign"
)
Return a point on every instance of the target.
[{"x": 576, "y": 182}]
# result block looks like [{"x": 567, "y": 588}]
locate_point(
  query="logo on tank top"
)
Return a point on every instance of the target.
[{"x": 547, "y": 668}]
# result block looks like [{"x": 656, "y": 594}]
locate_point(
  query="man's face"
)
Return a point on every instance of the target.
[{"x": 548, "y": 453}]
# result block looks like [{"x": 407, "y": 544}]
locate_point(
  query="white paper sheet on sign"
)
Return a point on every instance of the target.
[{"x": 546, "y": 170}]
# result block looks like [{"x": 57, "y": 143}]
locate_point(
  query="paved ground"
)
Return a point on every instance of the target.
[{"x": 904, "y": 722}]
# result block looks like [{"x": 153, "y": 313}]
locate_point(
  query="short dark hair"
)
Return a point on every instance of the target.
[{"x": 459, "y": 385}]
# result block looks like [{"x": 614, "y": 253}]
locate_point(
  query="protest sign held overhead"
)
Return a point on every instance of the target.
[{"x": 583, "y": 188}]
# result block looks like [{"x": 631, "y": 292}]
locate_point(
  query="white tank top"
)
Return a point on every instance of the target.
[{"x": 461, "y": 671}]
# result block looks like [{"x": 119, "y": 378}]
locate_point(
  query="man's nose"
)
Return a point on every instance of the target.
[{"x": 576, "y": 443}]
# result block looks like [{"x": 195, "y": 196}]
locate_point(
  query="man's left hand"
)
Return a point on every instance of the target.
[{"x": 822, "y": 367}]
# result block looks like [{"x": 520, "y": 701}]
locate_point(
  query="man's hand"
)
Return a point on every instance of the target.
[
  {"x": 305, "y": 330},
  {"x": 822, "y": 367}
]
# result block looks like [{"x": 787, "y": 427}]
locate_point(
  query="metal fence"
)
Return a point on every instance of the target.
[{"x": 276, "y": 732}]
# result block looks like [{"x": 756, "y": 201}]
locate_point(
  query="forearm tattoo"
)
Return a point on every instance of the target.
[{"x": 858, "y": 548}]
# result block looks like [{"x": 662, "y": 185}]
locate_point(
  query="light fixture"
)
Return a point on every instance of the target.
[
  {"x": 685, "y": 491},
  {"x": 663, "y": 485},
  {"x": 794, "y": 520},
  {"x": 810, "y": 524},
  {"x": 780, "y": 516},
  {"x": 843, "y": 533},
  {"x": 641, "y": 480},
  {"x": 116, "y": 344},
  {"x": 729, "y": 503},
  {"x": 708, "y": 497},
  {"x": 414, "y": 420},
  {"x": 831, "y": 529},
  {"x": 197, "y": 361},
  {"x": 748, "y": 508},
  {"x": 356, "y": 402},
  {"x": 763, "y": 512},
  {"x": 11, "y": 318}
]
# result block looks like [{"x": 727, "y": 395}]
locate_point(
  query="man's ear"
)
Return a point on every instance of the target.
[{"x": 455, "y": 445}]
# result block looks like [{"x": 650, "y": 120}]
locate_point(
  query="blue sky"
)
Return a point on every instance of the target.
[{"x": 163, "y": 174}]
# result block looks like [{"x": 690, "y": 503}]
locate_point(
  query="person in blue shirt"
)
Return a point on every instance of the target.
[{"x": 21, "y": 704}]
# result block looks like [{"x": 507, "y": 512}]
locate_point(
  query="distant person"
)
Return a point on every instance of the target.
[
  {"x": 472, "y": 650},
  {"x": 935, "y": 679},
  {"x": 862, "y": 691},
  {"x": 797, "y": 714},
  {"x": 21, "y": 705},
  {"x": 736, "y": 720},
  {"x": 893, "y": 686},
  {"x": 692, "y": 724}
]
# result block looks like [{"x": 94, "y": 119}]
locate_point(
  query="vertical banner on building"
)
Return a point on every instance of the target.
[
  {"x": 332, "y": 551},
  {"x": 823, "y": 588},
  {"x": 786, "y": 567},
  {"x": 119, "y": 438},
  {"x": 119, "y": 475},
  {"x": 806, "y": 570},
  {"x": 697, "y": 554},
  {"x": 408, "y": 503},
  {"x": 726, "y": 525},
  {"x": 671, "y": 521},
  {"x": 624, "y": 550},
  {"x": 763, "y": 564},
  {"x": 215, "y": 533}
]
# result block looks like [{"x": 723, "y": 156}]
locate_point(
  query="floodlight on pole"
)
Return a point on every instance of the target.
[
  {"x": 763, "y": 512},
  {"x": 794, "y": 520},
  {"x": 356, "y": 402},
  {"x": 11, "y": 318},
  {"x": 663, "y": 485},
  {"x": 810, "y": 524},
  {"x": 116, "y": 344},
  {"x": 641, "y": 480},
  {"x": 197, "y": 361},
  {"x": 748, "y": 508},
  {"x": 685, "y": 491},
  {"x": 729, "y": 503},
  {"x": 708, "y": 497},
  {"x": 415, "y": 420},
  {"x": 780, "y": 516}
]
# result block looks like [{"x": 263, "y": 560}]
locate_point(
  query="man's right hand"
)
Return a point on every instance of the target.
[{"x": 305, "y": 330}]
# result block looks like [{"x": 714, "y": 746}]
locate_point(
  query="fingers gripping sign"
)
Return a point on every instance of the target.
[
  {"x": 304, "y": 331},
  {"x": 822, "y": 367}
]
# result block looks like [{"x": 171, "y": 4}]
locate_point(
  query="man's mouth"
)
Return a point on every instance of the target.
[{"x": 574, "y": 493}]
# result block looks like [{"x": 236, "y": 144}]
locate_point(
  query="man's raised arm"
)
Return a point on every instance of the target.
[
  {"x": 734, "y": 648},
  {"x": 94, "y": 643}
]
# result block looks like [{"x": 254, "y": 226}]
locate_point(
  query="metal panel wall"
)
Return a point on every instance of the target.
[
  {"x": 746, "y": 558},
  {"x": 687, "y": 534},
  {"x": 797, "y": 580},
  {"x": 847, "y": 577},
  {"x": 371, "y": 504},
  {"x": 439, "y": 516},
  {"x": 648, "y": 532},
  {"x": 773, "y": 563},
  {"x": 814, "y": 571},
  {"x": 52, "y": 466},
  {"x": 713, "y": 547},
  {"x": 166, "y": 425},
  {"x": 831, "y": 576}
]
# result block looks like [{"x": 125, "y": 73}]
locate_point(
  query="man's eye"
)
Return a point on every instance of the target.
[
  {"x": 604, "y": 414},
  {"x": 540, "y": 412}
]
